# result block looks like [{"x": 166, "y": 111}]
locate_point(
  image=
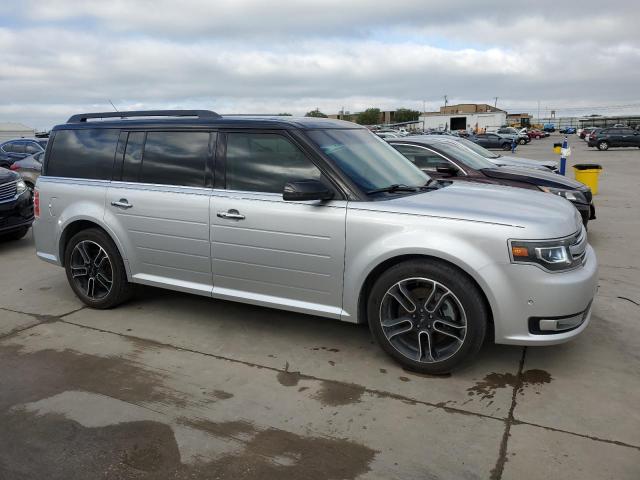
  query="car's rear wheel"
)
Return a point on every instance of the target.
[
  {"x": 522, "y": 141},
  {"x": 603, "y": 145},
  {"x": 506, "y": 146},
  {"x": 95, "y": 269},
  {"x": 427, "y": 315}
]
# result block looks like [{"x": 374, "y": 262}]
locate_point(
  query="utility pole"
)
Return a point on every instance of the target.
[
  {"x": 495, "y": 103},
  {"x": 446, "y": 100},
  {"x": 538, "y": 111},
  {"x": 424, "y": 108}
]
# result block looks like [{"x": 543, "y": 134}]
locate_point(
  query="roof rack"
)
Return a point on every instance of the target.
[{"x": 83, "y": 117}]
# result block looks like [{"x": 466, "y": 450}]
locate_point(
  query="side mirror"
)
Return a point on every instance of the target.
[
  {"x": 447, "y": 169},
  {"x": 301, "y": 190}
]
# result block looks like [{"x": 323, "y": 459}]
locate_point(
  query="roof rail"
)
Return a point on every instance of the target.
[{"x": 83, "y": 117}]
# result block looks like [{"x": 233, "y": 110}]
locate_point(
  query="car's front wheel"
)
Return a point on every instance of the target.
[
  {"x": 603, "y": 145},
  {"x": 506, "y": 146},
  {"x": 95, "y": 269},
  {"x": 427, "y": 315},
  {"x": 522, "y": 141}
]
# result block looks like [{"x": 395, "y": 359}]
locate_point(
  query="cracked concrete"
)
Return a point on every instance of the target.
[{"x": 176, "y": 386}]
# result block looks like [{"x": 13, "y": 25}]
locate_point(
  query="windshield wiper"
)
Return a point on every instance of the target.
[{"x": 396, "y": 187}]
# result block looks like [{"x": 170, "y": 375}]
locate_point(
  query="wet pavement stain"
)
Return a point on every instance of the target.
[
  {"x": 31, "y": 376},
  {"x": 52, "y": 446},
  {"x": 336, "y": 394},
  {"x": 221, "y": 395},
  {"x": 287, "y": 378},
  {"x": 486, "y": 388},
  {"x": 231, "y": 429}
]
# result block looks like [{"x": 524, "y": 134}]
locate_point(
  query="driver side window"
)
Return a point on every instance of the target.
[
  {"x": 264, "y": 162},
  {"x": 423, "y": 159}
]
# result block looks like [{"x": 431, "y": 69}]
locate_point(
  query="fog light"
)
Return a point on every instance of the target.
[{"x": 561, "y": 324}]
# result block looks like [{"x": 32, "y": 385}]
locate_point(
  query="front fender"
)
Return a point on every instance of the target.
[{"x": 470, "y": 246}]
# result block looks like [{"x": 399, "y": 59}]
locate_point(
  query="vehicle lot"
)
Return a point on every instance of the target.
[{"x": 177, "y": 386}]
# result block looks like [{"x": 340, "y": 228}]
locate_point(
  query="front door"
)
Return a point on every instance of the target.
[
  {"x": 160, "y": 208},
  {"x": 267, "y": 251}
]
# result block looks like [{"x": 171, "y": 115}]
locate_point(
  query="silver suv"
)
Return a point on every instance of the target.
[{"x": 315, "y": 216}]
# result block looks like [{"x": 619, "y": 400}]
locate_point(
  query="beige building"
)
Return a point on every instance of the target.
[
  {"x": 10, "y": 130},
  {"x": 465, "y": 116}
]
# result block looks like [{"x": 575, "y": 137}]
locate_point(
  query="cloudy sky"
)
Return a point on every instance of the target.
[{"x": 60, "y": 57}]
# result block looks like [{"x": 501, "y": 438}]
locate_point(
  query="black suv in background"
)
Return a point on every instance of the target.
[
  {"x": 16, "y": 207},
  {"x": 20, "y": 148},
  {"x": 614, "y": 137}
]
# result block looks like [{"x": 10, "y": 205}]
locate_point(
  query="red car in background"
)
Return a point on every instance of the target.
[{"x": 536, "y": 134}]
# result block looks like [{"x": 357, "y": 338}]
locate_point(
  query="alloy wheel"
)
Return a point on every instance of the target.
[
  {"x": 91, "y": 269},
  {"x": 423, "y": 320}
]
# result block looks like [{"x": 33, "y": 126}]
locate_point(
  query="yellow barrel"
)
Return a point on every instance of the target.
[
  {"x": 557, "y": 148},
  {"x": 588, "y": 173}
]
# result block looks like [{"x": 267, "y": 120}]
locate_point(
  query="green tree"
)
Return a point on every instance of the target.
[
  {"x": 285, "y": 114},
  {"x": 406, "y": 115},
  {"x": 316, "y": 113},
  {"x": 370, "y": 116}
]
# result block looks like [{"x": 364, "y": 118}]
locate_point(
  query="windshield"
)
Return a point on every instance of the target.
[
  {"x": 478, "y": 149},
  {"x": 43, "y": 143},
  {"x": 369, "y": 161},
  {"x": 464, "y": 155}
]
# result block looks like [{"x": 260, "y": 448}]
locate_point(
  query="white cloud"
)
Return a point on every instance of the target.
[{"x": 63, "y": 56}]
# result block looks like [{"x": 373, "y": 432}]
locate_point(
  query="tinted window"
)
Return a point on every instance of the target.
[
  {"x": 421, "y": 157},
  {"x": 175, "y": 158},
  {"x": 32, "y": 148},
  {"x": 18, "y": 147},
  {"x": 86, "y": 153},
  {"x": 8, "y": 147},
  {"x": 262, "y": 162},
  {"x": 133, "y": 157},
  {"x": 43, "y": 143}
]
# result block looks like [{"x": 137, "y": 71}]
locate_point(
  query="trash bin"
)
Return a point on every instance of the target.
[
  {"x": 588, "y": 174},
  {"x": 557, "y": 148}
]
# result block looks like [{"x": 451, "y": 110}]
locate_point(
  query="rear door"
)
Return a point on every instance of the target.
[
  {"x": 159, "y": 207},
  {"x": 268, "y": 251}
]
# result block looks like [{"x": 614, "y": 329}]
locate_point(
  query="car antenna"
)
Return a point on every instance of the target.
[{"x": 114, "y": 107}]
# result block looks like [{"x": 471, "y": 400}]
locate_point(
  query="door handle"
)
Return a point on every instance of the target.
[
  {"x": 231, "y": 214},
  {"x": 122, "y": 203}
]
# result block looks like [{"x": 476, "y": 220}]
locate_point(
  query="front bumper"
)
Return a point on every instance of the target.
[
  {"x": 17, "y": 213},
  {"x": 525, "y": 292}
]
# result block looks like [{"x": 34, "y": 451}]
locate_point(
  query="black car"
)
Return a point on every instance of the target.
[
  {"x": 492, "y": 140},
  {"x": 444, "y": 158},
  {"x": 615, "y": 137},
  {"x": 20, "y": 148},
  {"x": 16, "y": 206}
]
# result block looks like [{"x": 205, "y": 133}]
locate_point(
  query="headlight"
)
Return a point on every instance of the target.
[
  {"x": 553, "y": 255},
  {"x": 21, "y": 187},
  {"x": 571, "y": 195}
]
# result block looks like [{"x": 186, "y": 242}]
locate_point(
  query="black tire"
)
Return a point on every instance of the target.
[
  {"x": 603, "y": 145},
  {"x": 465, "y": 292},
  {"x": 506, "y": 146},
  {"x": 120, "y": 291},
  {"x": 15, "y": 235}
]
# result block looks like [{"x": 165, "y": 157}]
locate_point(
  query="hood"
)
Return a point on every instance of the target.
[
  {"x": 7, "y": 175},
  {"x": 543, "y": 215},
  {"x": 548, "y": 164},
  {"x": 510, "y": 162},
  {"x": 534, "y": 177}
]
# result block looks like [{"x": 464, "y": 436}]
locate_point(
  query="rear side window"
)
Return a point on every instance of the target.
[
  {"x": 83, "y": 153},
  {"x": 173, "y": 158},
  {"x": 32, "y": 148},
  {"x": 421, "y": 157},
  {"x": 264, "y": 162}
]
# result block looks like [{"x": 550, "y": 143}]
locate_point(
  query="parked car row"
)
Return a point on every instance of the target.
[
  {"x": 318, "y": 216},
  {"x": 444, "y": 157}
]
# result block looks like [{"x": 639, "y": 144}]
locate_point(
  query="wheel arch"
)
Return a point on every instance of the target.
[
  {"x": 390, "y": 262},
  {"x": 80, "y": 224}
]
